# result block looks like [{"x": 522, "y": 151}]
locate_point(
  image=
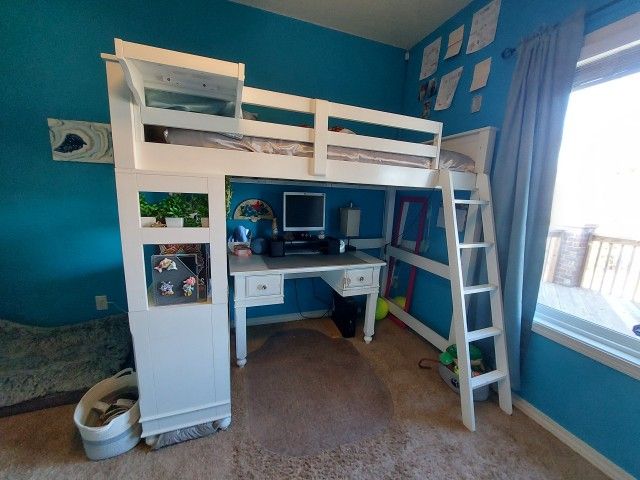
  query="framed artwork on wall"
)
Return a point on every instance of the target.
[{"x": 77, "y": 141}]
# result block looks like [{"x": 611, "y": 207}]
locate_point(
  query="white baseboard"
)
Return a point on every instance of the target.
[
  {"x": 286, "y": 317},
  {"x": 569, "y": 439}
]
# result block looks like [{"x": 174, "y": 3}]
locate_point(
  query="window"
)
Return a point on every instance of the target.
[{"x": 589, "y": 295}]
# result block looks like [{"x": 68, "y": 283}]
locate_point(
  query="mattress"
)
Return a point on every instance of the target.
[{"x": 448, "y": 160}]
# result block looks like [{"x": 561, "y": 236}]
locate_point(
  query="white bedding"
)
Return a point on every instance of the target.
[{"x": 448, "y": 160}]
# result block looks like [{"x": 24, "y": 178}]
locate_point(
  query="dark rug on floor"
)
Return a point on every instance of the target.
[
  {"x": 41, "y": 367},
  {"x": 308, "y": 393}
]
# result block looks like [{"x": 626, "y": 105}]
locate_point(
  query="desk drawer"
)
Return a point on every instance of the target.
[
  {"x": 263, "y": 285},
  {"x": 360, "y": 277}
]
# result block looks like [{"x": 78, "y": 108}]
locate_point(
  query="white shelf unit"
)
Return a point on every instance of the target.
[{"x": 182, "y": 351}]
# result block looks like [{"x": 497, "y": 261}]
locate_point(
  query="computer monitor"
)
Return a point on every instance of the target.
[{"x": 303, "y": 212}]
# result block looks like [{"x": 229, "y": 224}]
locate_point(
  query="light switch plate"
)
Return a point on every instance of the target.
[{"x": 101, "y": 302}]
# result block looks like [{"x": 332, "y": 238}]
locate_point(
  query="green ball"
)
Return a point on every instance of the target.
[
  {"x": 382, "y": 309},
  {"x": 400, "y": 301}
]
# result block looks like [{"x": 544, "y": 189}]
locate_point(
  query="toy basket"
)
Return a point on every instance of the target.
[
  {"x": 451, "y": 379},
  {"x": 119, "y": 435}
]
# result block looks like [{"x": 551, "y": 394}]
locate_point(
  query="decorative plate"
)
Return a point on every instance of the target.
[{"x": 253, "y": 209}]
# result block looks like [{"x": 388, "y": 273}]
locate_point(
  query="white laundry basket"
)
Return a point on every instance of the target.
[{"x": 122, "y": 433}]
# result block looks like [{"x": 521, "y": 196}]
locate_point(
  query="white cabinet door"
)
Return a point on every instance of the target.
[{"x": 182, "y": 359}]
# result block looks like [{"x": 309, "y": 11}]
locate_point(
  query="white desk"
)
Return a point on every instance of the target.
[{"x": 259, "y": 280}]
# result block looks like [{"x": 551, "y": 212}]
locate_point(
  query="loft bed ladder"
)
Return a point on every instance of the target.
[{"x": 460, "y": 257}]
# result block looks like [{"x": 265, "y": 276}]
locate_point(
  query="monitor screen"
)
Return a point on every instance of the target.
[{"x": 303, "y": 211}]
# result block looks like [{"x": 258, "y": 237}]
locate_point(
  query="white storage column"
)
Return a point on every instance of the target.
[{"x": 181, "y": 351}]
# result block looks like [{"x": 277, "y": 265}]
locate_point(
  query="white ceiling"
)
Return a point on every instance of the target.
[{"x": 401, "y": 23}]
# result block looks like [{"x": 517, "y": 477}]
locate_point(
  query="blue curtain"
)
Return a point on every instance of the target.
[{"x": 525, "y": 171}]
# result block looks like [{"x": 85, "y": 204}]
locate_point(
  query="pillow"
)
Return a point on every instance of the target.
[
  {"x": 249, "y": 115},
  {"x": 341, "y": 130},
  {"x": 188, "y": 103},
  {"x": 456, "y": 161}
]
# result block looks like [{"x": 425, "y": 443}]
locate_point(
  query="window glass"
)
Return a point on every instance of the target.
[{"x": 592, "y": 263}]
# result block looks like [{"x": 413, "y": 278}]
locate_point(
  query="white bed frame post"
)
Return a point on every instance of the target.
[
  {"x": 389, "y": 209},
  {"x": 123, "y": 118},
  {"x": 320, "y": 138}
]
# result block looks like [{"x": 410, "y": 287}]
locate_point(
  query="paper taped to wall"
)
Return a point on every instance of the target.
[
  {"x": 448, "y": 86},
  {"x": 455, "y": 42},
  {"x": 480, "y": 74},
  {"x": 483, "y": 26},
  {"x": 430, "y": 57},
  {"x": 476, "y": 103}
]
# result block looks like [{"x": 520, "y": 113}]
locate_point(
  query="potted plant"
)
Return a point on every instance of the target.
[
  {"x": 174, "y": 208},
  {"x": 228, "y": 194},
  {"x": 148, "y": 212},
  {"x": 200, "y": 206}
]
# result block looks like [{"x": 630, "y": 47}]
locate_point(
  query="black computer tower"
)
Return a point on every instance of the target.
[{"x": 345, "y": 314}]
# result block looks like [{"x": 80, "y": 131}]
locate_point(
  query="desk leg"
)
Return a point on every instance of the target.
[
  {"x": 241, "y": 335},
  {"x": 370, "y": 317}
]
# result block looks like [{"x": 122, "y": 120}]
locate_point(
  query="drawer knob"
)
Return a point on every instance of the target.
[
  {"x": 361, "y": 279},
  {"x": 262, "y": 287}
]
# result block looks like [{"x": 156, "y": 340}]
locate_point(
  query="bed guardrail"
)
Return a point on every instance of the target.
[
  {"x": 151, "y": 67},
  {"x": 320, "y": 135}
]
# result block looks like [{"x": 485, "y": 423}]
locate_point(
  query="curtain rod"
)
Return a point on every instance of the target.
[{"x": 510, "y": 51}]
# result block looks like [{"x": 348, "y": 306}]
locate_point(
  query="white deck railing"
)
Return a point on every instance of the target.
[
  {"x": 607, "y": 265},
  {"x": 613, "y": 267}
]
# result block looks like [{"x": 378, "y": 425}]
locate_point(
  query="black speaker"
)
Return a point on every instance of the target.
[
  {"x": 276, "y": 247},
  {"x": 345, "y": 314},
  {"x": 333, "y": 246}
]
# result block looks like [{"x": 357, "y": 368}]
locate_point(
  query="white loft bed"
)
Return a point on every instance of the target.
[
  {"x": 144, "y": 68},
  {"x": 160, "y": 333}
]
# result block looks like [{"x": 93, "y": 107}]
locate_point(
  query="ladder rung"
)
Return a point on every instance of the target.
[
  {"x": 460, "y": 201},
  {"x": 487, "y": 378},
  {"x": 483, "y": 333},
  {"x": 479, "y": 289},
  {"x": 476, "y": 245}
]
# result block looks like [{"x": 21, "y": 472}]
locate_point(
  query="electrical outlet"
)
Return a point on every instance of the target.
[{"x": 101, "y": 302}]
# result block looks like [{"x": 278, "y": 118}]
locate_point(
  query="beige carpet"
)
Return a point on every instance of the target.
[
  {"x": 308, "y": 393},
  {"x": 424, "y": 440}
]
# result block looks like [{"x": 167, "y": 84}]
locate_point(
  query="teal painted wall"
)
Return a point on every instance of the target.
[
  {"x": 596, "y": 403},
  {"x": 59, "y": 221}
]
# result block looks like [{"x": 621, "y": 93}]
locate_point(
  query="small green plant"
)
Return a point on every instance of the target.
[
  {"x": 175, "y": 205},
  {"x": 147, "y": 209},
  {"x": 200, "y": 205},
  {"x": 191, "y": 222},
  {"x": 228, "y": 193}
]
